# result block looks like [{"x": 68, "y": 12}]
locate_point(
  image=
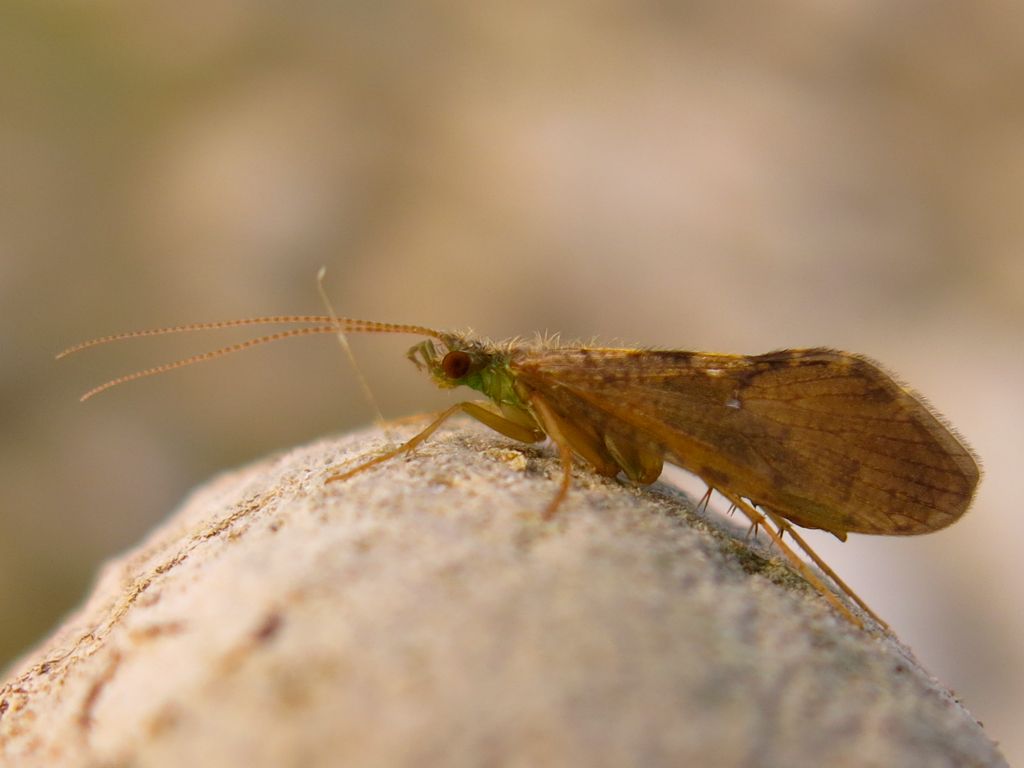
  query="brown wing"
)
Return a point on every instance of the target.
[{"x": 826, "y": 439}]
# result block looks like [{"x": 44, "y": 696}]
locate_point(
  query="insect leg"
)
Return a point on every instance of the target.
[
  {"x": 805, "y": 571},
  {"x": 550, "y": 423},
  {"x": 785, "y": 526},
  {"x": 476, "y": 410},
  {"x": 483, "y": 413},
  {"x": 705, "y": 500}
]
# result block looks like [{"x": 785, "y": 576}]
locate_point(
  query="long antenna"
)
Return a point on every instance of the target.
[
  {"x": 323, "y": 324},
  {"x": 343, "y": 341},
  {"x": 349, "y": 324}
]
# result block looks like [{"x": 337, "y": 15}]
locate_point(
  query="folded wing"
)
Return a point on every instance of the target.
[{"x": 826, "y": 439}]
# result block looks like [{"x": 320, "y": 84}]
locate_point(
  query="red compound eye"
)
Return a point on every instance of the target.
[{"x": 456, "y": 365}]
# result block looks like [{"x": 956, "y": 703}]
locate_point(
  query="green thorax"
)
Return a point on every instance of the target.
[{"x": 495, "y": 380}]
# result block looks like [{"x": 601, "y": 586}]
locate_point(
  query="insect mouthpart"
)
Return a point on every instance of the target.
[{"x": 424, "y": 355}]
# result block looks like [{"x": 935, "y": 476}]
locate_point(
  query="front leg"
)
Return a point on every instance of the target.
[
  {"x": 482, "y": 412},
  {"x": 553, "y": 426}
]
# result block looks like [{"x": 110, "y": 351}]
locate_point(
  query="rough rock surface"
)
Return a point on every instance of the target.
[{"x": 421, "y": 613}]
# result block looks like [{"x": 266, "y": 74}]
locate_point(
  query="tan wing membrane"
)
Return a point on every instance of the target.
[{"x": 824, "y": 439}]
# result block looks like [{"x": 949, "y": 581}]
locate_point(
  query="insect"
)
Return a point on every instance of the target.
[{"x": 815, "y": 438}]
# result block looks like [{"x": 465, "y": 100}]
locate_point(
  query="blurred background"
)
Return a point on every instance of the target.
[{"x": 692, "y": 175}]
